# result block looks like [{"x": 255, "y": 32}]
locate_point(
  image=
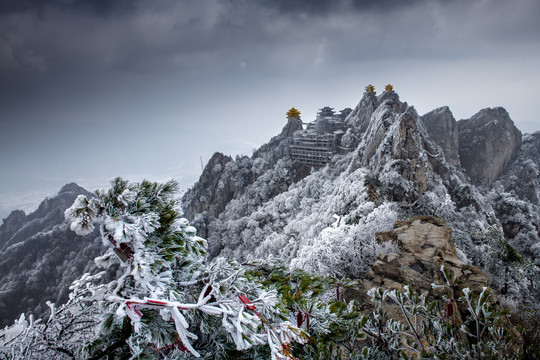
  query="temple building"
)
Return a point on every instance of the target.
[{"x": 319, "y": 142}]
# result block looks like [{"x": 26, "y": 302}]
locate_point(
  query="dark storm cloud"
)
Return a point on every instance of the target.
[
  {"x": 324, "y": 7},
  {"x": 101, "y": 7},
  {"x": 52, "y": 42},
  {"x": 163, "y": 36}
]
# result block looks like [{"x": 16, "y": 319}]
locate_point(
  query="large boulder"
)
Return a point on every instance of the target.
[
  {"x": 425, "y": 245},
  {"x": 488, "y": 142}
]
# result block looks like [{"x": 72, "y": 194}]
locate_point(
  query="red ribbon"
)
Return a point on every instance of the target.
[{"x": 246, "y": 302}]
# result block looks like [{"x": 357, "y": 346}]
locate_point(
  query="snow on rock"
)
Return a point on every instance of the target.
[
  {"x": 360, "y": 116},
  {"x": 393, "y": 147},
  {"x": 523, "y": 175}
]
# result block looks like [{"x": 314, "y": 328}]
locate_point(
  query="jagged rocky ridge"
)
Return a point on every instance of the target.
[
  {"x": 403, "y": 165},
  {"x": 40, "y": 257}
]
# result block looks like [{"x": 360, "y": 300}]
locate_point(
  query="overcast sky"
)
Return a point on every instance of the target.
[{"x": 93, "y": 89}]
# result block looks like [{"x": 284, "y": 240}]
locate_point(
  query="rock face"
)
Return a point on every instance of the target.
[
  {"x": 408, "y": 147},
  {"x": 488, "y": 142},
  {"x": 360, "y": 116},
  {"x": 523, "y": 176},
  {"x": 212, "y": 196},
  {"x": 292, "y": 125},
  {"x": 426, "y": 244},
  {"x": 393, "y": 142},
  {"x": 443, "y": 129},
  {"x": 254, "y": 180}
]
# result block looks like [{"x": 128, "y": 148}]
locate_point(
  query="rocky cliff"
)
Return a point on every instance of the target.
[
  {"x": 210, "y": 186},
  {"x": 488, "y": 143},
  {"x": 443, "y": 129},
  {"x": 394, "y": 144},
  {"x": 523, "y": 175},
  {"x": 267, "y": 173}
]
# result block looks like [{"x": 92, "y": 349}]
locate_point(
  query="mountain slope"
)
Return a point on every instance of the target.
[
  {"x": 400, "y": 166},
  {"x": 40, "y": 256}
]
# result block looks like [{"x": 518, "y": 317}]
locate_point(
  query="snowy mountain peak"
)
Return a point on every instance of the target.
[
  {"x": 361, "y": 114},
  {"x": 71, "y": 188},
  {"x": 393, "y": 147},
  {"x": 40, "y": 256}
]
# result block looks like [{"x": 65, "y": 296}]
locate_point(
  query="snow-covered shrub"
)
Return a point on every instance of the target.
[
  {"x": 432, "y": 329},
  {"x": 348, "y": 250}
]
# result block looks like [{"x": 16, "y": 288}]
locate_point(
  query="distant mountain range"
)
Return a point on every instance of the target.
[{"x": 40, "y": 256}]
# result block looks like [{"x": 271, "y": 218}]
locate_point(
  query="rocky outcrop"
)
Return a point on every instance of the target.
[
  {"x": 408, "y": 147},
  {"x": 293, "y": 124},
  {"x": 426, "y": 244},
  {"x": 398, "y": 106},
  {"x": 212, "y": 197},
  {"x": 267, "y": 173},
  {"x": 394, "y": 143},
  {"x": 360, "y": 117},
  {"x": 442, "y": 128},
  {"x": 488, "y": 142}
]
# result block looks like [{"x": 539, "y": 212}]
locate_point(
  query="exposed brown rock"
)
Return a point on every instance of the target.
[{"x": 426, "y": 244}]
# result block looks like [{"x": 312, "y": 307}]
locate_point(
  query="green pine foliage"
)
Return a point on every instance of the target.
[{"x": 169, "y": 302}]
